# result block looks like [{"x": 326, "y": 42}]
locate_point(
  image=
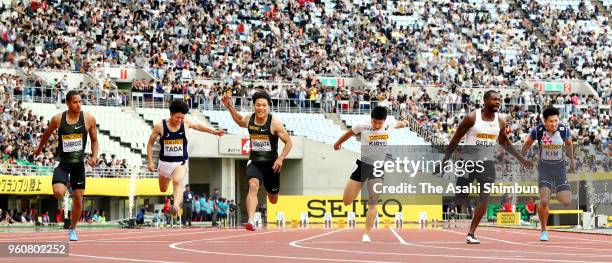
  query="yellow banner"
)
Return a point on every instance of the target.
[
  {"x": 316, "y": 207},
  {"x": 41, "y": 185},
  {"x": 508, "y": 218}
]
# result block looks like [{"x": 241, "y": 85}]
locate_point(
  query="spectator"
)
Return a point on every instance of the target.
[
  {"x": 102, "y": 217},
  {"x": 452, "y": 211},
  {"x": 187, "y": 205},
  {"x": 140, "y": 217}
]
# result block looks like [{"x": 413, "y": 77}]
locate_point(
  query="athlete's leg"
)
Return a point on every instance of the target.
[
  {"x": 486, "y": 177},
  {"x": 177, "y": 181},
  {"x": 59, "y": 191},
  {"x": 353, "y": 186},
  {"x": 77, "y": 206},
  {"x": 480, "y": 210},
  {"x": 251, "y": 199},
  {"x": 565, "y": 197},
  {"x": 164, "y": 182},
  {"x": 543, "y": 208},
  {"x": 351, "y": 191},
  {"x": 372, "y": 204}
]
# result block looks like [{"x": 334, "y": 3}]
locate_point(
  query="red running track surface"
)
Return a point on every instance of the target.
[{"x": 319, "y": 245}]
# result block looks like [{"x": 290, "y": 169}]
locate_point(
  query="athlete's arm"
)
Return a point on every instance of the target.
[
  {"x": 203, "y": 128},
  {"x": 53, "y": 125},
  {"x": 93, "y": 135},
  {"x": 279, "y": 130},
  {"x": 242, "y": 121},
  {"x": 527, "y": 146},
  {"x": 569, "y": 147},
  {"x": 466, "y": 123},
  {"x": 157, "y": 131},
  {"x": 348, "y": 134},
  {"x": 401, "y": 124},
  {"x": 507, "y": 144}
]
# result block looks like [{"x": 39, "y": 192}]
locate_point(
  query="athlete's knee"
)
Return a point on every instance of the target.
[
  {"x": 59, "y": 193},
  {"x": 253, "y": 186},
  {"x": 273, "y": 198}
]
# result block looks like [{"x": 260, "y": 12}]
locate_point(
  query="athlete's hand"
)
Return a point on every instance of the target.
[
  {"x": 93, "y": 161},
  {"x": 227, "y": 101},
  {"x": 337, "y": 146},
  {"x": 526, "y": 163},
  {"x": 572, "y": 167},
  {"x": 218, "y": 132},
  {"x": 151, "y": 167},
  {"x": 278, "y": 165}
]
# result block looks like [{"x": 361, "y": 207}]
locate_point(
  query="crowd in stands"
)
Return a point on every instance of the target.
[
  {"x": 23, "y": 216},
  {"x": 20, "y": 132},
  {"x": 491, "y": 43}
]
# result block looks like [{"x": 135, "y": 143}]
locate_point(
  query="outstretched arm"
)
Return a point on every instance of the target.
[
  {"x": 507, "y": 144},
  {"x": 242, "y": 121},
  {"x": 401, "y": 124},
  {"x": 203, "y": 128},
  {"x": 348, "y": 134}
]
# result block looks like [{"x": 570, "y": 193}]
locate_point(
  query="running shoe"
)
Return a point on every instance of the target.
[
  {"x": 249, "y": 227},
  {"x": 365, "y": 238},
  {"x": 471, "y": 239},
  {"x": 72, "y": 235},
  {"x": 544, "y": 236}
]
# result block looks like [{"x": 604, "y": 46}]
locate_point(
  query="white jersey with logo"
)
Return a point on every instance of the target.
[
  {"x": 481, "y": 139},
  {"x": 374, "y": 142}
]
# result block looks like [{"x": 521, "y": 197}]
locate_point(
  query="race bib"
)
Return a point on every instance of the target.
[
  {"x": 378, "y": 139},
  {"x": 72, "y": 143},
  {"x": 483, "y": 139},
  {"x": 173, "y": 147},
  {"x": 260, "y": 143},
  {"x": 550, "y": 150}
]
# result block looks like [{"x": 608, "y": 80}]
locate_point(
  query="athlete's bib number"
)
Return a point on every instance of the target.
[
  {"x": 260, "y": 143},
  {"x": 72, "y": 143},
  {"x": 173, "y": 147},
  {"x": 551, "y": 155}
]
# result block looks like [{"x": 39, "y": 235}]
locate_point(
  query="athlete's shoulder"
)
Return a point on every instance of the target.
[{"x": 88, "y": 116}]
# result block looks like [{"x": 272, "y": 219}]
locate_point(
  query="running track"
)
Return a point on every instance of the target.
[{"x": 320, "y": 245}]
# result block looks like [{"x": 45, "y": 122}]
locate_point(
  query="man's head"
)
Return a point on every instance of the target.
[
  {"x": 551, "y": 118},
  {"x": 261, "y": 104},
  {"x": 378, "y": 115},
  {"x": 187, "y": 187},
  {"x": 73, "y": 100},
  {"x": 491, "y": 100},
  {"x": 178, "y": 109}
]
